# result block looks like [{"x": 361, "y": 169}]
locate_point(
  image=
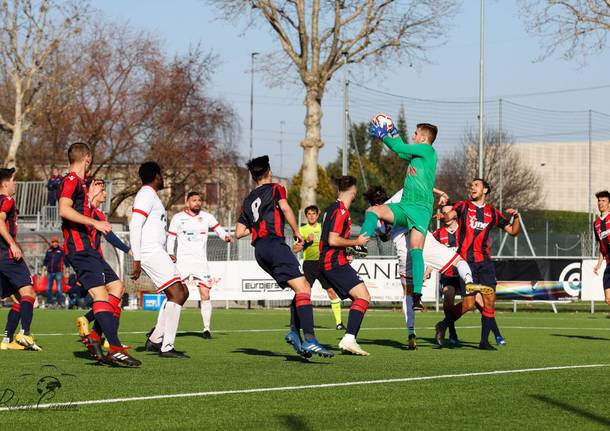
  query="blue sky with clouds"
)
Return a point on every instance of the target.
[{"x": 511, "y": 70}]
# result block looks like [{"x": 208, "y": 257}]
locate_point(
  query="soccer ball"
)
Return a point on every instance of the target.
[{"x": 384, "y": 119}]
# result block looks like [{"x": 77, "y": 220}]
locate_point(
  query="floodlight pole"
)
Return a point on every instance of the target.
[
  {"x": 481, "y": 82},
  {"x": 345, "y": 146}
]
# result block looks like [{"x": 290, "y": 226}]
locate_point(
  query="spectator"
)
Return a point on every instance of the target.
[
  {"x": 53, "y": 187},
  {"x": 54, "y": 262}
]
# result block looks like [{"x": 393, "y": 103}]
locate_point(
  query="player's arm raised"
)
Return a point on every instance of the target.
[
  {"x": 514, "y": 228},
  {"x": 67, "y": 211},
  {"x": 291, "y": 219}
]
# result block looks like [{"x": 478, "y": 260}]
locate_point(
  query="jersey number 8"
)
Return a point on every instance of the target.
[{"x": 255, "y": 206}]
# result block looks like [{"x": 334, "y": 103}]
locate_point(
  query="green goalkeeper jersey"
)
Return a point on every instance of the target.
[{"x": 421, "y": 172}]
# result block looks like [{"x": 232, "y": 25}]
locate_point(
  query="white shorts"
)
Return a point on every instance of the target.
[
  {"x": 196, "y": 272},
  {"x": 160, "y": 268},
  {"x": 436, "y": 255}
]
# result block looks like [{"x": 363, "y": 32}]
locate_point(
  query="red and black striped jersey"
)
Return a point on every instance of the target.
[
  {"x": 261, "y": 212},
  {"x": 601, "y": 227},
  {"x": 94, "y": 235},
  {"x": 8, "y": 207},
  {"x": 476, "y": 223},
  {"x": 449, "y": 239},
  {"x": 336, "y": 219},
  {"x": 76, "y": 235}
]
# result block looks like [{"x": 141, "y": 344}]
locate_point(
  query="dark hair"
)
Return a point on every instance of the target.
[
  {"x": 311, "y": 208},
  {"x": 376, "y": 195},
  {"x": 430, "y": 129},
  {"x": 6, "y": 174},
  {"x": 259, "y": 167},
  {"x": 603, "y": 194},
  {"x": 148, "y": 171},
  {"x": 78, "y": 151},
  {"x": 344, "y": 182},
  {"x": 191, "y": 194},
  {"x": 485, "y": 184}
]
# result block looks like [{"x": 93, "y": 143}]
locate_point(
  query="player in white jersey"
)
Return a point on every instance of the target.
[
  {"x": 148, "y": 234},
  {"x": 436, "y": 256},
  {"x": 190, "y": 229}
]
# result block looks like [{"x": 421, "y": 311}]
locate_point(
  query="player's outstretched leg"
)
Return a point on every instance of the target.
[
  {"x": 12, "y": 321},
  {"x": 360, "y": 304}
]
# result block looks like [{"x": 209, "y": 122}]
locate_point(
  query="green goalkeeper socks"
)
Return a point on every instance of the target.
[
  {"x": 370, "y": 224},
  {"x": 417, "y": 263}
]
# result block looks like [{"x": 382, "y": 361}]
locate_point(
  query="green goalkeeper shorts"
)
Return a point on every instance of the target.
[{"x": 412, "y": 216}]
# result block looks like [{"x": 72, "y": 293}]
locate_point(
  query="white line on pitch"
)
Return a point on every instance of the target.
[
  {"x": 293, "y": 388},
  {"x": 229, "y": 331}
]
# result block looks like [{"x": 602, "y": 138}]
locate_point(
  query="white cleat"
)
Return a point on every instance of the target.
[{"x": 351, "y": 346}]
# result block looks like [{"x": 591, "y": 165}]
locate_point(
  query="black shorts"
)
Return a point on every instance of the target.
[
  {"x": 607, "y": 277},
  {"x": 484, "y": 273},
  {"x": 342, "y": 279},
  {"x": 455, "y": 282},
  {"x": 91, "y": 269},
  {"x": 311, "y": 268},
  {"x": 15, "y": 275},
  {"x": 278, "y": 260}
]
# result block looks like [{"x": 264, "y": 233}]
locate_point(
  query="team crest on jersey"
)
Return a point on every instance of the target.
[
  {"x": 71, "y": 178},
  {"x": 475, "y": 224},
  {"x": 412, "y": 170},
  {"x": 342, "y": 212}
]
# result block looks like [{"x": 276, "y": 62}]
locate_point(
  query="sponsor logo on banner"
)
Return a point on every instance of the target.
[{"x": 259, "y": 286}]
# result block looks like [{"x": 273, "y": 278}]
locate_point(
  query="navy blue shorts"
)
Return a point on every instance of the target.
[
  {"x": 311, "y": 268},
  {"x": 607, "y": 277},
  {"x": 278, "y": 260},
  {"x": 91, "y": 269},
  {"x": 455, "y": 282},
  {"x": 15, "y": 275},
  {"x": 342, "y": 279},
  {"x": 484, "y": 273}
]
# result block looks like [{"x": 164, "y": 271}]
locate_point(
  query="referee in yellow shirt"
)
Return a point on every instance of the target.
[{"x": 311, "y": 231}]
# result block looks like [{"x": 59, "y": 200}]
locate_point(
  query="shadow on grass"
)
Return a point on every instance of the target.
[
  {"x": 582, "y": 337},
  {"x": 383, "y": 342},
  {"x": 289, "y": 358},
  {"x": 190, "y": 334},
  {"x": 292, "y": 422},
  {"x": 573, "y": 409},
  {"x": 80, "y": 354}
]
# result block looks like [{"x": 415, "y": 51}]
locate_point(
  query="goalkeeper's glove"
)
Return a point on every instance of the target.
[{"x": 381, "y": 131}]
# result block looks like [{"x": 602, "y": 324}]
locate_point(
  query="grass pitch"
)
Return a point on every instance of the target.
[{"x": 431, "y": 388}]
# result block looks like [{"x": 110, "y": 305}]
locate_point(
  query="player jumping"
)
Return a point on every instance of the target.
[
  {"x": 263, "y": 214},
  {"x": 601, "y": 227},
  {"x": 190, "y": 229},
  {"x": 148, "y": 236}
]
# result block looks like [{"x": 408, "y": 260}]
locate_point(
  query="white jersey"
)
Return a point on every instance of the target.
[
  {"x": 148, "y": 225},
  {"x": 191, "y": 232}
]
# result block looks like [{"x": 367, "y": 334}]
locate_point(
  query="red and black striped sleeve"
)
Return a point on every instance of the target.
[{"x": 500, "y": 220}]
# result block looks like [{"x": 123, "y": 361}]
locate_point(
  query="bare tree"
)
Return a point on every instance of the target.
[
  {"x": 519, "y": 184},
  {"x": 576, "y": 28},
  {"x": 30, "y": 32},
  {"x": 317, "y": 38}
]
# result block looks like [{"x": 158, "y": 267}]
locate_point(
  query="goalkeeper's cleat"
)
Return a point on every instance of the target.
[
  {"x": 174, "y": 354},
  {"x": 484, "y": 345},
  {"x": 82, "y": 324},
  {"x": 479, "y": 288},
  {"x": 28, "y": 342},
  {"x": 351, "y": 346},
  {"x": 440, "y": 329},
  {"x": 294, "y": 339},
  {"x": 417, "y": 305},
  {"x": 357, "y": 251},
  {"x": 122, "y": 358},
  {"x": 341, "y": 327},
  {"x": 412, "y": 345},
  {"x": 313, "y": 347},
  {"x": 500, "y": 341},
  {"x": 10, "y": 345}
]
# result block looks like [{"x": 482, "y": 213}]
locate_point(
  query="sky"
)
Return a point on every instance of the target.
[{"x": 511, "y": 70}]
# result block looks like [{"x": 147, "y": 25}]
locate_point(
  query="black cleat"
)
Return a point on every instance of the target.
[
  {"x": 440, "y": 333},
  {"x": 151, "y": 346},
  {"x": 357, "y": 251},
  {"x": 95, "y": 348},
  {"x": 484, "y": 345},
  {"x": 341, "y": 327},
  {"x": 207, "y": 334},
  {"x": 174, "y": 354},
  {"x": 417, "y": 305},
  {"x": 412, "y": 342},
  {"x": 122, "y": 358}
]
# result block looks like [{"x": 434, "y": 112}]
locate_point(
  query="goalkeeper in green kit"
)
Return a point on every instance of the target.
[{"x": 414, "y": 211}]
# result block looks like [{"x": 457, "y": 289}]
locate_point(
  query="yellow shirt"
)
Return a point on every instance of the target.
[{"x": 311, "y": 252}]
